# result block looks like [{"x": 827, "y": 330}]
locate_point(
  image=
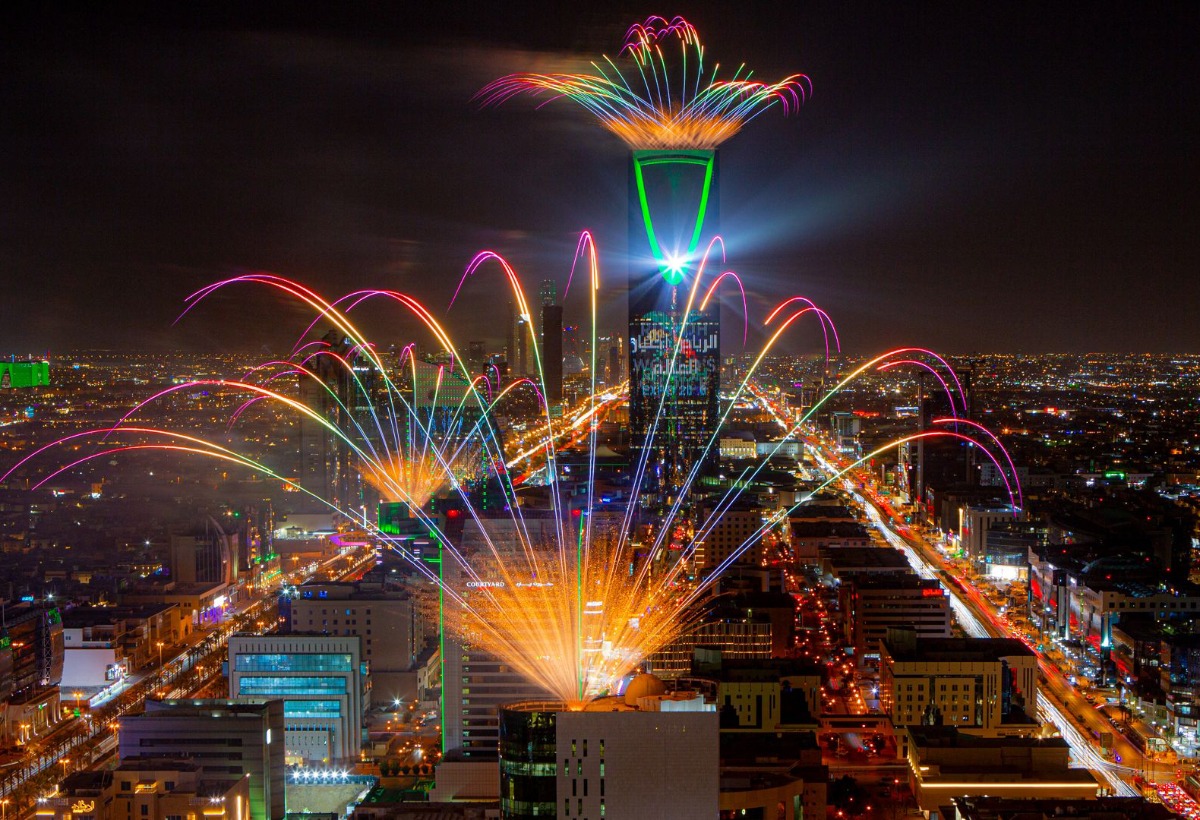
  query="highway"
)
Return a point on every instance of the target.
[
  {"x": 1058, "y": 702},
  {"x": 80, "y": 743}
]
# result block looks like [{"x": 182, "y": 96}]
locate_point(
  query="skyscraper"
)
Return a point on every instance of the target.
[
  {"x": 342, "y": 387},
  {"x": 674, "y": 353},
  {"x": 552, "y": 342}
]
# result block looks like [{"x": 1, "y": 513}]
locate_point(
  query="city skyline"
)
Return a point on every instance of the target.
[
  {"x": 386, "y": 433},
  {"x": 964, "y": 179}
]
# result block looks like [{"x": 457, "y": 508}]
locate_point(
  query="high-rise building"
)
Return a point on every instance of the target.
[
  {"x": 229, "y": 740},
  {"x": 474, "y": 681},
  {"x": 342, "y": 388},
  {"x": 552, "y": 343},
  {"x": 674, "y": 353},
  {"x": 206, "y": 555},
  {"x": 518, "y": 341},
  {"x": 323, "y": 684},
  {"x": 388, "y": 621},
  {"x": 647, "y": 754}
]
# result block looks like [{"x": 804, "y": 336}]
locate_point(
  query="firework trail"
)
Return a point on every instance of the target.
[
  {"x": 571, "y": 594},
  {"x": 648, "y": 107},
  {"x": 565, "y": 594}
]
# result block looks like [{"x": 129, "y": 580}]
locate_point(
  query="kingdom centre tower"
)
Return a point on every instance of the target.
[
  {"x": 673, "y": 409},
  {"x": 673, "y": 112}
]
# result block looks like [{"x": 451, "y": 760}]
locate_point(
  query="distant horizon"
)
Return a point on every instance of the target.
[{"x": 806, "y": 355}]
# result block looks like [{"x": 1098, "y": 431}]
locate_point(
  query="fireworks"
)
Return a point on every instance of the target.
[
  {"x": 649, "y": 107},
  {"x": 570, "y": 595}
]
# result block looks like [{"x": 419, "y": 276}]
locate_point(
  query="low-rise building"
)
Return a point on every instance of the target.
[
  {"x": 945, "y": 763},
  {"x": 201, "y": 605},
  {"x": 809, "y": 537},
  {"x": 104, "y": 644},
  {"x": 1100, "y": 808},
  {"x": 873, "y": 603},
  {"x": 157, "y": 789},
  {"x": 987, "y": 686},
  {"x": 779, "y": 775},
  {"x": 838, "y": 562},
  {"x": 230, "y": 740}
]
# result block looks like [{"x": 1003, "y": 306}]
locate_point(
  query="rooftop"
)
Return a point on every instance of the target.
[
  {"x": 955, "y": 650},
  {"x": 1101, "y": 808}
]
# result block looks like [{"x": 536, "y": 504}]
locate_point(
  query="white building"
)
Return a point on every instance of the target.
[
  {"x": 973, "y": 523},
  {"x": 646, "y": 755},
  {"x": 322, "y": 681}
]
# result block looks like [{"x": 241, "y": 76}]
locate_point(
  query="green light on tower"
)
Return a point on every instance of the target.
[{"x": 673, "y": 263}]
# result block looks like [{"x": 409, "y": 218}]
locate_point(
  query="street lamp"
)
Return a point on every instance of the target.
[{"x": 160, "y": 646}]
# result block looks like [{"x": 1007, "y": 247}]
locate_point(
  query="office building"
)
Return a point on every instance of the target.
[
  {"x": 517, "y": 348},
  {"x": 974, "y": 520},
  {"x": 205, "y": 555},
  {"x": 837, "y": 563},
  {"x": 342, "y": 386},
  {"x": 987, "y": 686},
  {"x": 759, "y": 695},
  {"x": 322, "y": 681},
  {"x": 35, "y": 634},
  {"x": 808, "y": 537},
  {"x": 388, "y": 622},
  {"x": 873, "y": 603},
  {"x": 552, "y": 352},
  {"x": 647, "y": 755},
  {"x": 723, "y": 625},
  {"x": 475, "y": 682},
  {"x": 674, "y": 354},
  {"x": 1008, "y": 545},
  {"x": 735, "y": 535},
  {"x": 229, "y": 740}
]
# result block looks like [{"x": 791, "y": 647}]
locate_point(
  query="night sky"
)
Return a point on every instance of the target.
[{"x": 969, "y": 177}]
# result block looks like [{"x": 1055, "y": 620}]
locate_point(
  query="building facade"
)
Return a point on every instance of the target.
[
  {"x": 387, "y": 621},
  {"x": 229, "y": 740},
  {"x": 875, "y": 603},
  {"x": 674, "y": 352},
  {"x": 983, "y": 685},
  {"x": 653, "y": 759},
  {"x": 149, "y": 790},
  {"x": 322, "y": 681}
]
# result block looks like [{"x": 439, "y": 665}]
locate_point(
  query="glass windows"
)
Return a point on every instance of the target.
[
  {"x": 312, "y": 709},
  {"x": 270, "y": 685},
  {"x": 323, "y": 662}
]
